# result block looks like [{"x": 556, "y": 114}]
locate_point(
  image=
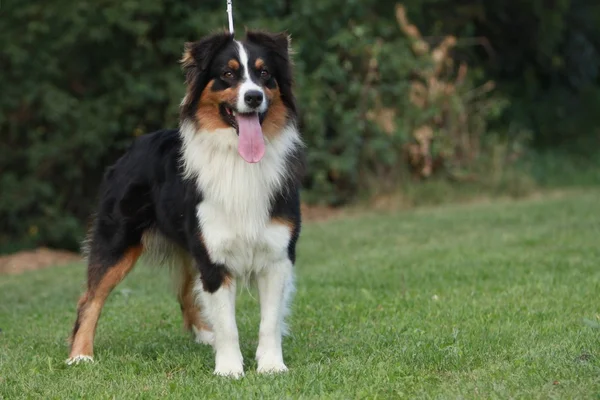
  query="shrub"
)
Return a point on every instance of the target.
[{"x": 80, "y": 81}]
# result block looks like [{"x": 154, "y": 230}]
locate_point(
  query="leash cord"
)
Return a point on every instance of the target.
[{"x": 230, "y": 15}]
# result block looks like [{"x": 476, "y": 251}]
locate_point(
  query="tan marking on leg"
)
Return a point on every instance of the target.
[
  {"x": 187, "y": 300},
  {"x": 227, "y": 280},
  {"x": 284, "y": 221},
  {"x": 91, "y": 303}
]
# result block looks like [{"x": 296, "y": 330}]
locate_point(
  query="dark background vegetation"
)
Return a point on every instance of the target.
[{"x": 488, "y": 95}]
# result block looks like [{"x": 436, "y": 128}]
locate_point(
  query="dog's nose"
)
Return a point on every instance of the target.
[{"x": 253, "y": 98}]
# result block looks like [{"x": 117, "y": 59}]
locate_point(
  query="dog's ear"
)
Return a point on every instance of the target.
[
  {"x": 279, "y": 47},
  {"x": 196, "y": 63},
  {"x": 278, "y": 43},
  {"x": 197, "y": 55}
]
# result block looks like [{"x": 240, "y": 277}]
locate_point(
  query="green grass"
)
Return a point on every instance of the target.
[
  {"x": 497, "y": 300},
  {"x": 561, "y": 169}
]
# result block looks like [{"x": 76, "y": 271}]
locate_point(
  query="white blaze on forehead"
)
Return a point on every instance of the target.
[
  {"x": 243, "y": 60},
  {"x": 247, "y": 83}
]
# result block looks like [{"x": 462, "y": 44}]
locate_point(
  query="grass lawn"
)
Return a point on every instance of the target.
[{"x": 497, "y": 300}]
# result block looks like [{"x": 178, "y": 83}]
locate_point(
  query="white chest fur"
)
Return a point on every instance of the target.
[{"x": 234, "y": 213}]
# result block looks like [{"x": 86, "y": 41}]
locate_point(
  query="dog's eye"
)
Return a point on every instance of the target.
[
  {"x": 264, "y": 73},
  {"x": 227, "y": 74}
]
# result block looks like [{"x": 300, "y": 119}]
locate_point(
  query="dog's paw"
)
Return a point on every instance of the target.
[
  {"x": 79, "y": 359},
  {"x": 271, "y": 363},
  {"x": 274, "y": 368},
  {"x": 230, "y": 371},
  {"x": 229, "y": 364}
]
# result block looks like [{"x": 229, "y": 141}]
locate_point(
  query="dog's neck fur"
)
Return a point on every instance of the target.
[{"x": 241, "y": 190}]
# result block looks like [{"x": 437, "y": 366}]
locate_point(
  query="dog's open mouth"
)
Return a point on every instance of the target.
[
  {"x": 229, "y": 114},
  {"x": 251, "y": 143}
]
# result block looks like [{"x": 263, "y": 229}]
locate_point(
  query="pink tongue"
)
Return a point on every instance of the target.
[{"x": 251, "y": 144}]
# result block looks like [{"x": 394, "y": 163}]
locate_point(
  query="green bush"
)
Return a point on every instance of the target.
[
  {"x": 545, "y": 56},
  {"x": 81, "y": 80}
]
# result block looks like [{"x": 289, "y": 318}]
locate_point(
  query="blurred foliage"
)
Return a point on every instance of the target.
[
  {"x": 82, "y": 79},
  {"x": 544, "y": 55}
]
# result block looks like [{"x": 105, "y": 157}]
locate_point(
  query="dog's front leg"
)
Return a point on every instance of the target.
[
  {"x": 275, "y": 285},
  {"x": 215, "y": 289},
  {"x": 220, "y": 310}
]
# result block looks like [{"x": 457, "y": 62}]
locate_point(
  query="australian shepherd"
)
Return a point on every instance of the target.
[{"x": 218, "y": 199}]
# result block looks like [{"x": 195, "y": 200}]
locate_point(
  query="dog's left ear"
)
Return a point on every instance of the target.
[{"x": 278, "y": 43}]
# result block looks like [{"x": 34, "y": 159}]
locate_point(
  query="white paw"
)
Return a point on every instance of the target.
[
  {"x": 79, "y": 358},
  {"x": 230, "y": 371},
  {"x": 204, "y": 336},
  {"x": 271, "y": 362},
  {"x": 229, "y": 364}
]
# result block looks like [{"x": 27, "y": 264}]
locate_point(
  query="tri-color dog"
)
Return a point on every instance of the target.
[{"x": 218, "y": 199}]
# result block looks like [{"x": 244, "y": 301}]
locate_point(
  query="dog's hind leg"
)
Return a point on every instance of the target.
[
  {"x": 102, "y": 278},
  {"x": 190, "y": 308}
]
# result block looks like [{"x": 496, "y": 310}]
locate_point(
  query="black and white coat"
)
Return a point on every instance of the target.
[{"x": 187, "y": 197}]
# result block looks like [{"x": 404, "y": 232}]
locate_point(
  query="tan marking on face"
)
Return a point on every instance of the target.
[
  {"x": 233, "y": 64},
  {"x": 91, "y": 303},
  {"x": 259, "y": 63},
  {"x": 276, "y": 117},
  {"x": 207, "y": 114}
]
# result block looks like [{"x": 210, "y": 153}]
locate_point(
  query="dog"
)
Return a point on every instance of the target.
[{"x": 218, "y": 199}]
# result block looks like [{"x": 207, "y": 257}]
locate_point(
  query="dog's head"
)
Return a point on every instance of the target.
[{"x": 240, "y": 86}]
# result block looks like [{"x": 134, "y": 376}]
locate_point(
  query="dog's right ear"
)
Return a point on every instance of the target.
[
  {"x": 195, "y": 63},
  {"x": 197, "y": 55}
]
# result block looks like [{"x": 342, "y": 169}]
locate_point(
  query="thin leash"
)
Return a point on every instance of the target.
[
  {"x": 230, "y": 15},
  {"x": 246, "y": 280}
]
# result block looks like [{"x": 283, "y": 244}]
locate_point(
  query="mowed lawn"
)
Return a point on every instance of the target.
[{"x": 498, "y": 300}]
